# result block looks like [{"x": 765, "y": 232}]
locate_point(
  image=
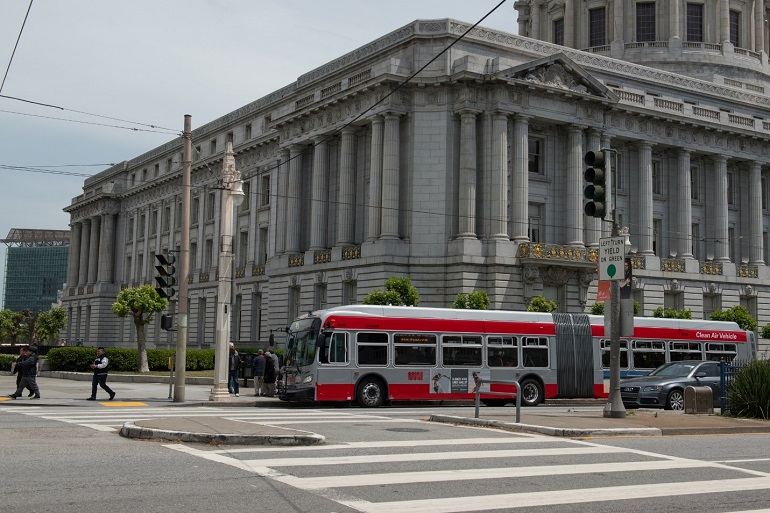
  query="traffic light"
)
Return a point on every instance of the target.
[
  {"x": 596, "y": 192},
  {"x": 166, "y": 322},
  {"x": 166, "y": 278}
]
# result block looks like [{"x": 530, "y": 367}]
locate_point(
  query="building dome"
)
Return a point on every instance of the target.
[{"x": 722, "y": 41}]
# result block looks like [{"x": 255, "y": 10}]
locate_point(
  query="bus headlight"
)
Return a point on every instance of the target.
[{"x": 308, "y": 379}]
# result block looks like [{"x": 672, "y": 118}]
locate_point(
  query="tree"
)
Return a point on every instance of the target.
[
  {"x": 476, "y": 300},
  {"x": 30, "y": 322},
  {"x": 50, "y": 323},
  {"x": 137, "y": 302},
  {"x": 398, "y": 291},
  {"x": 10, "y": 326},
  {"x": 672, "y": 313},
  {"x": 541, "y": 304},
  {"x": 737, "y": 314},
  {"x": 598, "y": 308}
]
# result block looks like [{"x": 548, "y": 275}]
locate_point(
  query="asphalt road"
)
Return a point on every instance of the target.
[{"x": 70, "y": 459}]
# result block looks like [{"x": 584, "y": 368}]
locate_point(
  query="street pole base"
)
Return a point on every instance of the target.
[
  {"x": 219, "y": 394},
  {"x": 614, "y": 413}
]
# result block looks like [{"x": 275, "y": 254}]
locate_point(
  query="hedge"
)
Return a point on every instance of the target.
[
  {"x": 6, "y": 360},
  {"x": 79, "y": 359}
]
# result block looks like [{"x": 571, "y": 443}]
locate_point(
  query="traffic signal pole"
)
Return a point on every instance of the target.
[{"x": 184, "y": 263}]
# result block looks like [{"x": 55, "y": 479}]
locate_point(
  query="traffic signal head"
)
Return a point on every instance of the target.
[
  {"x": 166, "y": 276},
  {"x": 166, "y": 322},
  {"x": 596, "y": 192}
]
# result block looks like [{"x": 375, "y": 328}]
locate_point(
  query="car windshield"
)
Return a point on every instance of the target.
[{"x": 676, "y": 369}]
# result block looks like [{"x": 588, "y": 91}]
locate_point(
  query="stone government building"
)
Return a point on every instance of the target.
[{"x": 470, "y": 176}]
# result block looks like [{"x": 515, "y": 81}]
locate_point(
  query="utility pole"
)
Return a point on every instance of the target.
[{"x": 184, "y": 263}]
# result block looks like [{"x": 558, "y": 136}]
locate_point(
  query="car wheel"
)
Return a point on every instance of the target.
[
  {"x": 371, "y": 393},
  {"x": 531, "y": 392},
  {"x": 675, "y": 400}
]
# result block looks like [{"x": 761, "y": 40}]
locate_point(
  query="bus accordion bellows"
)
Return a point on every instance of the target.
[{"x": 374, "y": 354}]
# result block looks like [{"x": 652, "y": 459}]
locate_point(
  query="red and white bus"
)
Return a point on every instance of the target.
[{"x": 373, "y": 354}]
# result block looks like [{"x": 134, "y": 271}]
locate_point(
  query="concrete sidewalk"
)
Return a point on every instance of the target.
[{"x": 72, "y": 390}]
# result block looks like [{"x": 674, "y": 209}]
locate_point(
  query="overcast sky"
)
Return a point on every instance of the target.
[{"x": 152, "y": 62}]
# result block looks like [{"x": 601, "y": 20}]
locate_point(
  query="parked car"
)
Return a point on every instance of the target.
[{"x": 664, "y": 387}]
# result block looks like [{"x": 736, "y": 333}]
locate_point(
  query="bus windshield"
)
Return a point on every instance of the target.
[{"x": 301, "y": 342}]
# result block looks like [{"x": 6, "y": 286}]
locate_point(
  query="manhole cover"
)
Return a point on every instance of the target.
[{"x": 407, "y": 430}]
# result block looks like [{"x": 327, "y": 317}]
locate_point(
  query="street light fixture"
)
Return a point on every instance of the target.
[{"x": 232, "y": 195}]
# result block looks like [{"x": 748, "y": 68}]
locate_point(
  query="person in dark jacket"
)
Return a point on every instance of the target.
[
  {"x": 18, "y": 374},
  {"x": 270, "y": 374},
  {"x": 100, "y": 365},
  {"x": 258, "y": 366},
  {"x": 233, "y": 366},
  {"x": 26, "y": 365}
]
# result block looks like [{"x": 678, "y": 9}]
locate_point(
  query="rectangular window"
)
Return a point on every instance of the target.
[
  {"x": 372, "y": 349},
  {"x": 144, "y": 175},
  {"x": 208, "y": 255},
  {"x": 247, "y": 132},
  {"x": 169, "y": 164},
  {"x": 264, "y": 193},
  {"x": 558, "y": 32},
  {"x": 711, "y": 303},
  {"x": 731, "y": 252},
  {"x": 694, "y": 183},
  {"x": 154, "y": 222},
  {"x": 262, "y": 251},
  {"x": 349, "y": 292},
  {"x": 194, "y": 210},
  {"x": 140, "y": 266},
  {"x": 656, "y": 178},
  {"x": 130, "y": 234},
  {"x": 657, "y": 237},
  {"x": 721, "y": 352},
  {"x": 166, "y": 221},
  {"x": 605, "y": 345},
  {"x": 535, "y": 156},
  {"x": 534, "y": 351},
  {"x": 679, "y": 351},
  {"x": 673, "y": 299},
  {"x": 414, "y": 349},
  {"x": 133, "y": 179},
  {"x": 142, "y": 225},
  {"x": 193, "y": 257},
  {"x": 197, "y": 152},
  {"x": 243, "y": 248},
  {"x": 694, "y": 23},
  {"x": 730, "y": 189},
  {"x": 502, "y": 351},
  {"x": 246, "y": 196},
  {"x": 461, "y": 350},
  {"x": 211, "y": 202},
  {"x": 735, "y": 28},
  {"x": 156, "y": 171},
  {"x": 598, "y": 27},
  {"x": 648, "y": 354},
  {"x": 334, "y": 350},
  {"x": 213, "y": 147},
  {"x": 319, "y": 297},
  {"x": 229, "y": 138},
  {"x": 645, "y": 21},
  {"x": 535, "y": 222}
]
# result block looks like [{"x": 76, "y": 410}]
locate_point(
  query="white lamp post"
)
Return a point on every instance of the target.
[{"x": 232, "y": 195}]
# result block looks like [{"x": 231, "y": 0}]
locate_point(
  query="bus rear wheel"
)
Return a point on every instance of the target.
[
  {"x": 371, "y": 393},
  {"x": 531, "y": 392}
]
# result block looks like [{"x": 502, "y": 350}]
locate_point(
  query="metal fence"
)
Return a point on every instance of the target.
[{"x": 727, "y": 372}]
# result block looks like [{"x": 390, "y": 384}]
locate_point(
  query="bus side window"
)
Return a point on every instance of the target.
[{"x": 338, "y": 349}]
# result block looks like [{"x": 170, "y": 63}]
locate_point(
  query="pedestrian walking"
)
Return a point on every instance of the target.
[
  {"x": 234, "y": 365},
  {"x": 26, "y": 366},
  {"x": 258, "y": 366},
  {"x": 18, "y": 374},
  {"x": 271, "y": 374},
  {"x": 100, "y": 366}
]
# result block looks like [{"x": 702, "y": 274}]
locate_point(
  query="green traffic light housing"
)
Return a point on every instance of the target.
[
  {"x": 596, "y": 192},
  {"x": 166, "y": 278}
]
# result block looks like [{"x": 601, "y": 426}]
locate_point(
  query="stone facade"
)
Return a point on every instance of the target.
[{"x": 467, "y": 176}]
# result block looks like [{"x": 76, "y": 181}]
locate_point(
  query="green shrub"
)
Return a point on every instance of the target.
[
  {"x": 79, "y": 359},
  {"x": 737, "y": 314},
  {"x": 6, "y": 360},
  {"x": 749, "y": 393},
  {"x": 672, "y": 313},
  {"x": 541, "y": 304},
  {"x": 765, "y": 331}
]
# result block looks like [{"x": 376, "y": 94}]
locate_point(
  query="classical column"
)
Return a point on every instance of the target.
[
  {"x": 73, "y": 263},
  {"x": 467, "y": 192},
  {"x": 318, "y": 210},
  {"x": 617, "y": 21},
  {"x": 107, "y": 248},
  {"x": 756, "y": 249},
  {"x": 390, "y": 176},
  {"x": 724, "y": 20},
  {"x": 759, "y": 25},
  {"x": 519, "y": 176},
  {"x": 684, "y": 205},
  {"x": 93, "y": 249},
  {"x": 592, "y": 224},
  {"x": 722, "y": 243},
  {"x": 673, "y": 20},
  {"x": 498, "y": 174},
  {"x": 293, "y": 200},
  {"x": 85, "y": 240},
  {"x": 281, "y": 202},
  {"x": 574, "y": 211},
  {"x": 569, "y": 24},
  {"x": 534, "y": 13},
  {"x": 645, "y": 199},
  {"x": 375, "y": 179},
  {"x": 346, "y": 210}
]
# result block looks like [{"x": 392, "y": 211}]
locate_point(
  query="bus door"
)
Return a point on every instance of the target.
[
  {"x": 335, "y": 376},
  {"x": 574, "y": 355}
]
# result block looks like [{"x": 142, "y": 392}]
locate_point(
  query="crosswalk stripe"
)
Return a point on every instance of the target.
[
  {"x": 510, "y": 501},
  {"x": 432, "y": 456}
]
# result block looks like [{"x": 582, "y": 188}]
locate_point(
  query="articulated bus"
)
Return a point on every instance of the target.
[{"x": 374, "y": 354}]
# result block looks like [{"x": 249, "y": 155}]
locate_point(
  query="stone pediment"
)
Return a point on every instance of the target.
[{"x": 558, "y": 72}]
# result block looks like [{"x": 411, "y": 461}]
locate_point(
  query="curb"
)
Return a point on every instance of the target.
[
  {"x": 550, "y": 431},
  {"x": 131, "y": 430}
]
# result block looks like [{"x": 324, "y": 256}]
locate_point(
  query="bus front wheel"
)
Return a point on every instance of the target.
[
  {"x": 531, "y": 392},
  {"x": 371, "y": 393}
]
